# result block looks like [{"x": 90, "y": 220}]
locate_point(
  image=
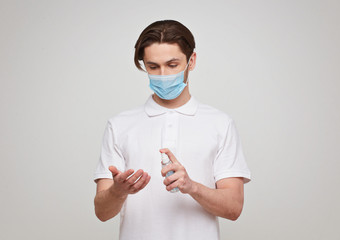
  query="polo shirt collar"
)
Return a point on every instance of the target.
[{"x": 153, "y": 109}]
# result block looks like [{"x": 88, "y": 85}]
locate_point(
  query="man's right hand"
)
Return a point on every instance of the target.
[{"x": 125, "y": 183}]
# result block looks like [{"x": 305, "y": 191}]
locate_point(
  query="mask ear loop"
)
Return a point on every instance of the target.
[
  {"x": 144, "y": 68},
  {"x": 186, "y": 69}
]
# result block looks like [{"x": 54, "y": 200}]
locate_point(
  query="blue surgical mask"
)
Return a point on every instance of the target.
[{"x": 168, "y": 86}]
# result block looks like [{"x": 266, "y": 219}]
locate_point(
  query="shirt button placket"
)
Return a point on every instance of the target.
[{"x": 170, "y": 133}]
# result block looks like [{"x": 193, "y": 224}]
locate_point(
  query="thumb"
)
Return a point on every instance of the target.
[{"x": 114, "y": 171}]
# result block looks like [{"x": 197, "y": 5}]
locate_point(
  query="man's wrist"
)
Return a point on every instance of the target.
[
  {"x": 116, "y": 193},
  {"x": 194, "y": 188}
]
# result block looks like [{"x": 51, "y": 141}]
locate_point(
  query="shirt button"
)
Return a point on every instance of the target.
[
  {"x": 170, "y": 125},
  {"x": 171, "y": 112}
]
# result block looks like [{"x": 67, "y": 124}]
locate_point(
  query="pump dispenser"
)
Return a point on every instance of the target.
[{"x": 166, "y": 161}]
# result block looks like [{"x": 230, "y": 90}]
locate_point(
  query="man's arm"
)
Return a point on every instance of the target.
[
  {"x": 225, "y": 201},
  {"x": 112, "y": 193}
]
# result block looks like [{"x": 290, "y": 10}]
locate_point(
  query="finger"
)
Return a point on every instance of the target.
[
  {"x": 170, "y": 155},
  {"x": 141, "y": 183},
  {"x": 123, "y": 176},
  {"x": 172, "y": 178},
  {"x": 168, "y": 168},
  {"x": 132, "y": 179},
  {"x": 172, "y": 186},
  {"x": 114, "y": 171},
  {"x": 145, "y": 182}
]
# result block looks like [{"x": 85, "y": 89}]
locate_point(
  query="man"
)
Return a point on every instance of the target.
[{"x": 201, "y": 142}]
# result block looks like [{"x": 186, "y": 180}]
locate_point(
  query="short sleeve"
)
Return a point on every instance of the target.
[
  {"x": 230, "y": 160},
  {"x": 110, "y": 154}
]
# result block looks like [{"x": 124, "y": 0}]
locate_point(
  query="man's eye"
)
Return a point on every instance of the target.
[
  {"x": 152, "y": 67},
  {"x": 173, "y": 65}
]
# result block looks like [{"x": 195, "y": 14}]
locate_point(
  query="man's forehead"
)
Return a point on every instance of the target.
[{"x": 163, "y": 52}]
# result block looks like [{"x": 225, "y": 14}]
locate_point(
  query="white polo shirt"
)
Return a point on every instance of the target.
[{"x": 203, "y": 139}]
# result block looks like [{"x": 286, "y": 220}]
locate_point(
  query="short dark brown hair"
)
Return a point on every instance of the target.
[{"x": 165, "y": 31}]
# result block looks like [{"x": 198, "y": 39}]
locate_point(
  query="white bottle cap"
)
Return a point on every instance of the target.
[{"x": 165, "y": 158}]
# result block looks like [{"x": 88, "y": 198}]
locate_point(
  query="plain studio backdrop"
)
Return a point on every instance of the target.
[{"x": 66, "y": 67}]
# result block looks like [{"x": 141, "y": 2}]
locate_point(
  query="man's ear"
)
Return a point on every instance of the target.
[{"x": 192, "y": 62}]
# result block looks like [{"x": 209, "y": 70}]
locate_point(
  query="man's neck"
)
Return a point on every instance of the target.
[{"x": 182, "y": 99}]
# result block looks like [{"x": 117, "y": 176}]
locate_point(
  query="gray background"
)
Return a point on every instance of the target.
[{"x": 67, "y": 66}]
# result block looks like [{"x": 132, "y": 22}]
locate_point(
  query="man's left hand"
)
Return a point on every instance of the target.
[{"x": 180, "y": 178}]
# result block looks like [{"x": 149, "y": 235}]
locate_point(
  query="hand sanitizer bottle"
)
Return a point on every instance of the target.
[{"x": 166, "y": 161}]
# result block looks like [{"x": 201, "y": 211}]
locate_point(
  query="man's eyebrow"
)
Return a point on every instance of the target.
[
  {"x": 153, "y": 63},
  {"x": 171, "y": 60}
]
